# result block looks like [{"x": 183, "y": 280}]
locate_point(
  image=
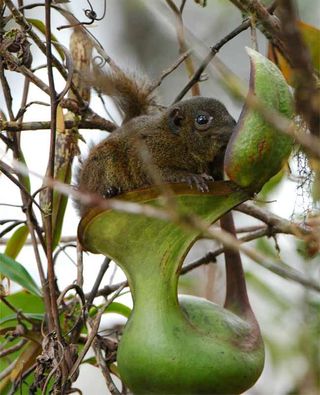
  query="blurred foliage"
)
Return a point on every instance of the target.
[{"x": 311, "y": 36}]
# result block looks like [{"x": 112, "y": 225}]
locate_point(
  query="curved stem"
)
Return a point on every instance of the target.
[{"x": 236, "y": 293}]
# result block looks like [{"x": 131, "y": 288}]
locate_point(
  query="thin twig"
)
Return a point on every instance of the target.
[
  {"x": 70, "y": 68},
  {"x": 169, "y": 70},
  {"x": 15, "y": 310},
  {"x": 213, "y": 51},
  {"x": 64, "y": 239},
  {"x": 80, "y": 294},
  {"x": 253, "y": 33},
  {"x": 65, "y": 103},
  {"x": 90, "y": 14},
  {"x": 210, "y": 257},
  {"x": 11, "y": 205},
  {"x": 79, "y": 262},
  {"x": 12, "y": 349},
  {"x": 6, "y": 90},
  {"x": 247, "y": 229},
  {"x": 54, "y": 316},
  {"x": 21, "y": 378},
  {"x": 93, "y": 332},
  {"x": 278, "y": 224},
  {"x": 6, "y": 371},
  {"x": 104, "y": 367},
  {"x": 278, "y": 267},
  {"x": 8, "y": 171},
  {"x": 74, "y": 21},
  {"x": 97, "y": 123},
  {"x": 108, "y": 289},
  {"x": 10, "y": 227},
  {"x": 24, "y": 99},
  {"x": 183, "y": 48},
  {"x": 268, "y": 23},
  {"x": 104, "y": 267},
  {"x": 20, "y": 19}
]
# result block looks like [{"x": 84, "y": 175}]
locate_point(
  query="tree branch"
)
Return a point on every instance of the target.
[
  {"x": 183, "y": 48},
  {"x": 307, "y": 94},
  {"x": 21, "y": 20},
  {"x": 213, "y": 51},
  {"x": 278, "y": 224},
  {"x": 270, "y": 25},
  {"x": 96, "y": 122}
]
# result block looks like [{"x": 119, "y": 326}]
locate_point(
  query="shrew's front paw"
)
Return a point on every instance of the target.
[
  {"x": 110, "y": 192},
  {"x": 198, "y": 180}
]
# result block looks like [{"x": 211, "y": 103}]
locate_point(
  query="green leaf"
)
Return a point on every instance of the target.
[
  {"x": 316, "y": 185},
  {"x": 311, "y": 37},
  {"x": 119, "y": 308},
  {"x": 13, "y": 317},
  {"x": 17, "y": 273},
  {"x": 66, "y": 148},
  {"x": 257, "y": 151},
  {"x": 59, "y": 207},
  {"x": 91, "y": 361},
  {"x": 23, "y": 177},
  {"x": 271, "y": 185},
  {"x": 16, "y": 241},
  {"x": 42, "y": 28},
  {"x": 29, "y": 304},
  {"x": 114, "y": 307},
  {"x": 24, "y": 387}
]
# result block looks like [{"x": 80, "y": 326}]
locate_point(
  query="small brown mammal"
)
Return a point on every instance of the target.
[{"x": 185, "y": 143}]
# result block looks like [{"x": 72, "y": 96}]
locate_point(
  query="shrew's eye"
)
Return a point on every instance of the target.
[{"x": 203, "y": 121}]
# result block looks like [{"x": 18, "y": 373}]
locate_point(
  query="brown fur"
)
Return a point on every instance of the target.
[
  {"x": 179, "y": 152},
  {"x": 131, "y": 93}
]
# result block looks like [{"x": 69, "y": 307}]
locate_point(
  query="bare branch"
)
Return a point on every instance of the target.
[
  {"x": 96, "y": 122},
  {"x": 183, "y": 48},
  {"x": 10, "y": 350},
  {"x": 93, "y": 331},
  {"x": 278, "y": 224},
  {"x": 269, "y": 23},
  {"x": 213, "y": 51},
  {"x": 168, "y": 71},
  {"x": 104, "y": 267},
  {"x": 21, "y": 20},
  {"x": 53, "y": 314},
  {"x": 279, "y": 267}
]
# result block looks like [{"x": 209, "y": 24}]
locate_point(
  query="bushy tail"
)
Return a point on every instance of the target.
[{"x": 130, "y": 92}]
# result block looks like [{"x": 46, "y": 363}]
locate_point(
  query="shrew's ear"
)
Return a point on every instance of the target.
[{"x": 176, "y": 118}]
